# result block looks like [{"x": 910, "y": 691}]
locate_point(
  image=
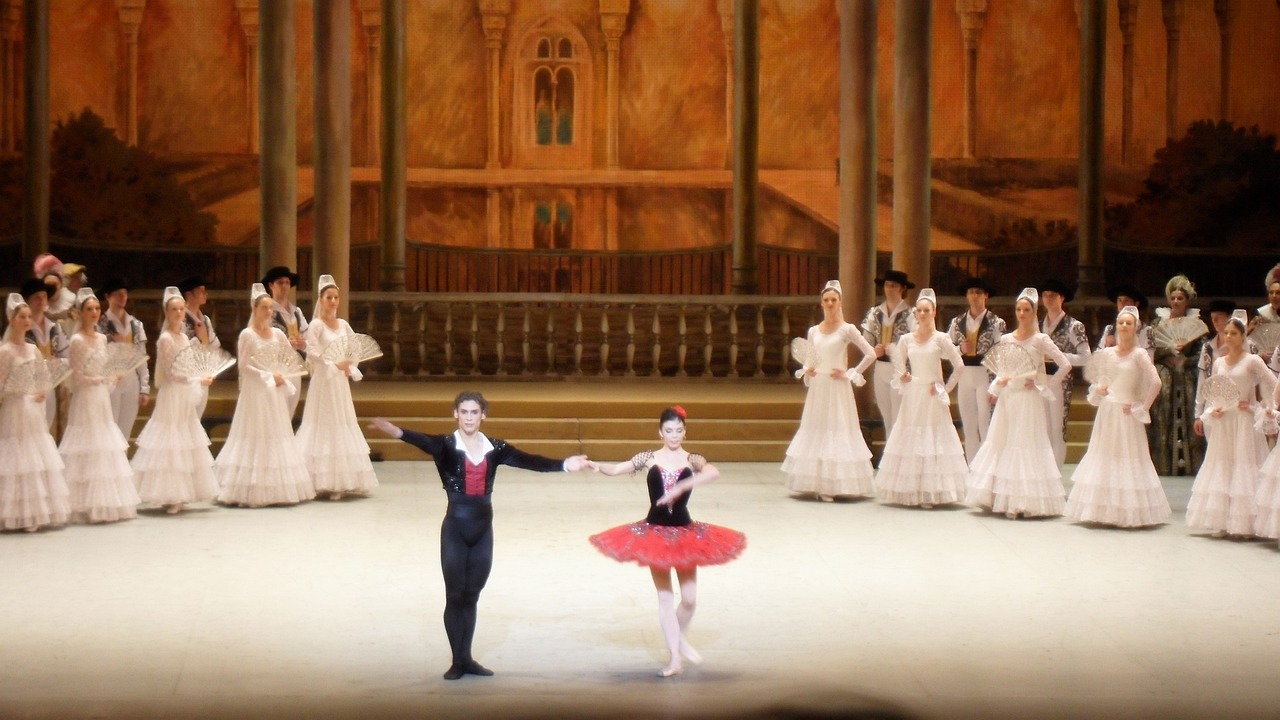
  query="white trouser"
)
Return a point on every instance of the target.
[
  {"x": 1054, "y": 408},
  {"x": 887, "y": 399},
  {"x": 124, "y": 404},
  {"x": 973, "y": 397}
]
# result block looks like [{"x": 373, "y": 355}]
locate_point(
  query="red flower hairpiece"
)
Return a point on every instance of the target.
[{"x": 680, "y": 411}]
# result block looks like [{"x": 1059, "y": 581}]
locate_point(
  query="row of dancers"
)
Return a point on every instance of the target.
[
  {"x": 88, "y": 475},
  {"x": 1015, "y": 469}
]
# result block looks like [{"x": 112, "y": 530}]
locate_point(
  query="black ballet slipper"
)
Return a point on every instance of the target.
[
  {"x": 454, "y": 672},
  {"x": 475, "y": 668}
]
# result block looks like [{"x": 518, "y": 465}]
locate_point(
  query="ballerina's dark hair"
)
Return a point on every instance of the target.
[{"x": 674, "y": 412}]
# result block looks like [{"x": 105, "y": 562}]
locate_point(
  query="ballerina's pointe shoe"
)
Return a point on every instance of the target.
[{"x": 670, "y": 671}]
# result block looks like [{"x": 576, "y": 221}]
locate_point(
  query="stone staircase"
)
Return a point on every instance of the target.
[{"x": 728, "y": 421}]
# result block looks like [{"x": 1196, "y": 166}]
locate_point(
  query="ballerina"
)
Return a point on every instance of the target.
[
  {"x": 923, "y": 462},
  {"x": 1223, "y": 494},
  {"x": 260, "y": 463},
  {"x": 1116, "y": 482},
  {"x": 1015, "y": 471},
  {"x": 329, "y": 438},
  {"x": 33, "y": 492},
  {"x": 668, "y": 539},
  {"x": 828, "y": 455},
  {"x": 94, "y": 451},
  {"x": 173, "y": 464}
]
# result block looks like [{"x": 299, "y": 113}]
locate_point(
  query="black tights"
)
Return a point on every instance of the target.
[{"x": 466, "y": 557}]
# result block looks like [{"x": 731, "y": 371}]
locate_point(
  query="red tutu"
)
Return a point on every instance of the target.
[{"x": 666, "y": 546}]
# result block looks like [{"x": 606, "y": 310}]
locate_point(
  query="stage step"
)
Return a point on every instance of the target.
[{"x": 728, "y": 421}]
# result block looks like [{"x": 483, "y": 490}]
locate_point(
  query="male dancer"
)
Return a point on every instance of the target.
[
  {"x": 467, "y": 462},
  {"x": 197, "y": 325},
  {"x": 134, "y": 389},
  {"x": 288, "y": 317},
  {"x": 882, "y": 327},
  {"x": 1069, "y": 335},
  {"x": 975, "y": 332}
]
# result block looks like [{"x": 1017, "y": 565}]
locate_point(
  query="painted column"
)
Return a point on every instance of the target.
[
  {"x": 725, "y": 8},
  {"x": 391, "y": 208},
  {"x": 1173, "y": 12},
  {"x": 131, "y": 19},
  {"x": 1128, "y": 20},
  {"x": 746, "y": 127},
  {"x": 912, "y": 41},
  {"x": 973, "y": 14},
  {"x": 36, "y": 127},
  {"x": 371, "y": 20},
  {"x": 613, "y": 21},
  {"x": 494, "y": 20},
  {"x": 248, "y": 11},
  {"x": 10, "y": 34},
  {"x": 332, "y": 97},
  {"x": 857, "y": 260},
  {"x": 1226, "y": 11},
  {"x": 1093, "y": 46},
  {"x": 279, "y": 134}
]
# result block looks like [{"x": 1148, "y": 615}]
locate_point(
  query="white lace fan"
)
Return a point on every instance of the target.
[
  {"x": 801, "y": 350},
  {"x": 201, "y": 361},
  {"x": 1266, "y": 336},
  {"x": 1171, "y": 332},
  {"x": 115, "y": 360},
  {"x": 1100, "y": 368},
  {"x": 37, "y": 377},
  {"x": 278, "y": 358},
  {"x": 1220, "y": 392},
  {"x": 1009, "y": 360},
  {"x": 354, "y": 348}
]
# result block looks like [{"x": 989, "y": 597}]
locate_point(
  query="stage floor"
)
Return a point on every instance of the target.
[{"x": 858, "y": 609}]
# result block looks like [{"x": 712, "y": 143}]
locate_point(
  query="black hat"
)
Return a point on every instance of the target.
[
  {"x": 1222, "y": 305},
  {"x": 113, "y": 284},
  {"x": 896, "y": 276},
  {"x": 33, "y": 286},
  {"x": 1129, "y": 291},
  {"x": 186, "y": 285},
  {"x": 976, "y": 282},
  {"x": 278, "y": 272},
  {"x": 1055, "y": 285}
]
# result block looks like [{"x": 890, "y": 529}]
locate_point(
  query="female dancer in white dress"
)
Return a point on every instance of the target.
[
  {"x": 1116, "y": 482},
  {"x": 828, "y": 455},
  {"x": 1266, "y": 521},
  {"x": 33, "y": 492},
  {"x": 173, "y": 464},
  {"x": 1015, "y": 471},
  {"x": 329, "y": 438},
  {"x": 94, "y": 451},
  {"x": 923, "y": 462},
  {"x": 1223, "y": 496},
  {"x": 260, "y": 464}
]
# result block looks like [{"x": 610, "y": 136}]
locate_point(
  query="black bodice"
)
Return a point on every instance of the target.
[{"x": 678, "y": 513}]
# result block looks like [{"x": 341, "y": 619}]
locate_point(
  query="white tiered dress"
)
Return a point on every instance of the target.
[
  {"x": 33, "y": 492},
  {"x": 1116, "y": 482},
  {"x": 173, "y": 464},
  {"x": 1015, "y": 470},
  {"x": 260, "y": 463},
  {"x": 95, "y": 453},
  {"x": 828, "y": 455},
  {"x": 923, "y": 461},
  {"x": 1266, "y": 522},
  {"x": 329, "y": 438},
  {"x": 1223, "y": 496}
]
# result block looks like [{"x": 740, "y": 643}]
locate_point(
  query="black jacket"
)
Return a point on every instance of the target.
[{"x": 451, "y": 462}]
